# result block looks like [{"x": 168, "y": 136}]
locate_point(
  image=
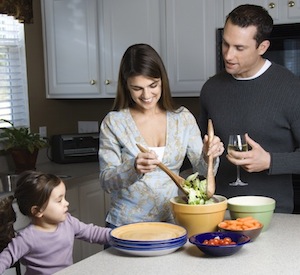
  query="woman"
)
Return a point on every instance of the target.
[{"x": 144, "y": 113}]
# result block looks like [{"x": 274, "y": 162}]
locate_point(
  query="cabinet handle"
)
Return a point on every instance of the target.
[
  {"x": 107, "y": 82},
  {"x": 272, "y": 5},
  {"x": 93, "y": 82},
  {"x": 291, "y": 4}
]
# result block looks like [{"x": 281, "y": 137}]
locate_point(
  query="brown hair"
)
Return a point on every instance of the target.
[
  {"x": 142, "y": 59},
  {"x": 7, "y": 219},
  {"x": 252, "y": 15},
  {"x": 34, "y": 189}
]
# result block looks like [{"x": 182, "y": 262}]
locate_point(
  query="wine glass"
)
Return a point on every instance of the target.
[{"x": 237, "y": 143}]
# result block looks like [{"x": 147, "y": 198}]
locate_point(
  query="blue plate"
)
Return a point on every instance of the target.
[
  {"x": 148, "y": 243},
  {"x": 148, "y": 247}
]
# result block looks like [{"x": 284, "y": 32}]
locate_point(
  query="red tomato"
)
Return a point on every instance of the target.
[{"x": 216, "y": 241}]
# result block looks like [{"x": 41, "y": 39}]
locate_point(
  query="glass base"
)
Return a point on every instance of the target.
[{"x": 238, "y": 182}]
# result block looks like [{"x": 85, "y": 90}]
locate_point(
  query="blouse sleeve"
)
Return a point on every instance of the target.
[{"x": 116, "y": 169}]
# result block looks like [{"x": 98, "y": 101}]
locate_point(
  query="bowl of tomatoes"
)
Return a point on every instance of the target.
[{"x": 219, "y": 244}]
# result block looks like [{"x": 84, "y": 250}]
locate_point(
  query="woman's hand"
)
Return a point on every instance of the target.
[
  {"x": 146, "y": 162},
  {"x": 216, "y": 148}
]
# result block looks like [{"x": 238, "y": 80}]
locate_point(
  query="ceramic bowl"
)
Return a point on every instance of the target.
[
  {"x": 219, "y": 250},
  {"x": 251, "y": 233},
  {"x": 258, "y": 207},
  {"x": 199, "y": 218}
]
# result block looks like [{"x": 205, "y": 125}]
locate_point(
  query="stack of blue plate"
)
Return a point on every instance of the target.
[{"x": 148, "y": 238}]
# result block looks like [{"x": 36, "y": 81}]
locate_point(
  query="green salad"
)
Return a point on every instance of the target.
[{"x": 196, "y": 189}]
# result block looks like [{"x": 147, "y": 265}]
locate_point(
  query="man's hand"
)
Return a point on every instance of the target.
[{"x": 254, "y": 160}]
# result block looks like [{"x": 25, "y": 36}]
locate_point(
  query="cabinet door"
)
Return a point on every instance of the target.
[
  {"x": 71, "y": 48},
  {"x": 293, "y": 10},
  {"x": 126, "y": 23},
  {"x": 191, "y": 39},
  {"x": 281, "y": 11},
  {"x": 92, "y": 210},
  {"x": 271, "y": 6}
]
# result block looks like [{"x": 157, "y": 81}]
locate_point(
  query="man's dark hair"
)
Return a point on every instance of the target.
[{"x": 252, "y": 15}]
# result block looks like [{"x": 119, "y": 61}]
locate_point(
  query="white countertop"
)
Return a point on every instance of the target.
[{"x": 276, "y": 250}]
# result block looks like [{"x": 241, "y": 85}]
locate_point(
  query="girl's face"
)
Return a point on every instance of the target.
[
  {"x": 145, "y": 91},
  {"x": 56, "y": 210}
]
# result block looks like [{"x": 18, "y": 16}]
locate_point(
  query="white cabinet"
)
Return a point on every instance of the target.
[
  {"x": 71, "y": 48},
  {"x": 87, "y": 203},
  {"x": 122, "y": 24},
  {"x": 191, "y": 43},
  {"x": 293, "y": 10},
  {"x": 282, "y": 11},
  {"x": 85, "y": 40}
]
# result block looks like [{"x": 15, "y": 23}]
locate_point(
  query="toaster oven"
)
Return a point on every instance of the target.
[{"x": 70, "y": 148}]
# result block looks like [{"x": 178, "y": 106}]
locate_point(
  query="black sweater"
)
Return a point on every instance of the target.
[{"x": 268, "y": 109}]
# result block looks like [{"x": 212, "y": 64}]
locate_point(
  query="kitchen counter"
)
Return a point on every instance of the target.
[
  {"x": 276, "y": 250},
  {"x": 72, "y": 173}
]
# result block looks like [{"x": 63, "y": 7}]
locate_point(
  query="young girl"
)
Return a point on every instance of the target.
[{"x": 45, "y": 246}]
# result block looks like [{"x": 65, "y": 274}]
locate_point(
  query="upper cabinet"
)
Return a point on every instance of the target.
[
  {"x": 282, "y": 11},
  {"x": 71, "y": 47},
  {"x": 121, "y": 24},
  {"x": 191, "y": 44},
  {"x": 84, "y": 42}
]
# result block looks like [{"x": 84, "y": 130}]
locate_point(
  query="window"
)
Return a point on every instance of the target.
[{"x": 13, "y": 76}]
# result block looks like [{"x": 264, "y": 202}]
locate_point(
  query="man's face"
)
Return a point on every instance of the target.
[{"x": 241, "y": 55}]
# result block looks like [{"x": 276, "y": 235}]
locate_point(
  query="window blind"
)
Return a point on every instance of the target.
[{"x": 13, "y": 75}]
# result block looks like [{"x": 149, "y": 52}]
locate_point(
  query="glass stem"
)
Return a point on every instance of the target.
[{"x": 238, "y": 173}]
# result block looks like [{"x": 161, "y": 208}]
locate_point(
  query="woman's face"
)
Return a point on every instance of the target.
[{"x": 145, "y": 91}]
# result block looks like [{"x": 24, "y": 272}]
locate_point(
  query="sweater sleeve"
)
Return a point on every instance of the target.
[
  {"x": 16, "y": 249},
  {"x": 90, "y": 232}
]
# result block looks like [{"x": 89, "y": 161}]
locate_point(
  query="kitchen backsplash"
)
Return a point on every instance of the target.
[{"x": 6, "y": 164}]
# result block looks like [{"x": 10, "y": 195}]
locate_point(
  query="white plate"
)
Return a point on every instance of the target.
[{"x": 149, "y": 253}]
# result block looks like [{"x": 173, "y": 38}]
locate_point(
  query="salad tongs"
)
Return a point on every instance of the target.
[
  {"x": 210, "y": 178},
  {"x": 179, "y": 181}
]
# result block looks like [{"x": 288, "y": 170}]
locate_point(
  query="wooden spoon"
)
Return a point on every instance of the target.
[
  {"x": 211, "y": 184},
  {"x": 176, "y": 178}
]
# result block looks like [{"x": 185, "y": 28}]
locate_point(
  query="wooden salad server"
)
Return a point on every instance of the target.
[
  {"x": 179, "y": 181},
  {"x": 211, "y": 184}
]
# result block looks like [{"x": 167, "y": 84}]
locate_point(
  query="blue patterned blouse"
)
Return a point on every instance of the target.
[{"x": 135, "y": 199}]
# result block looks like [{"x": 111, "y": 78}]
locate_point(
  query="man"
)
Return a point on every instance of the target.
[{"x": 259, "y": 98}]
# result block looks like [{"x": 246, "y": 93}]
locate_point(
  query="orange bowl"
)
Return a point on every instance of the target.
[
  {"x": 251, "y": 233},
  {"x": 199, "y": 218}
]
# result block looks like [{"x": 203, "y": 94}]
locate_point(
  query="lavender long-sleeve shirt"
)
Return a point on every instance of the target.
[{"x": 48, "y": 252}]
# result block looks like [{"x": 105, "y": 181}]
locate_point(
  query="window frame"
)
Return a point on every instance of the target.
[{"x": 14, "y": 105}]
